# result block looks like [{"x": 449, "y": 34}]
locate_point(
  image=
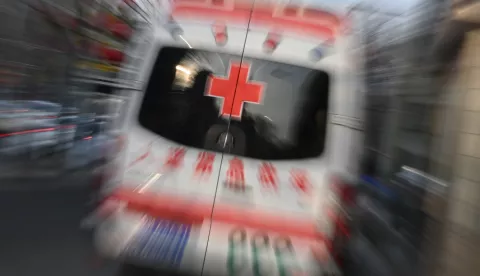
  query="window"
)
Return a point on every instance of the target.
[{"x": 289, "y": 123}]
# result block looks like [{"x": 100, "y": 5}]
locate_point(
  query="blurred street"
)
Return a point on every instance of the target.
[{"x": 41, "y": 231}]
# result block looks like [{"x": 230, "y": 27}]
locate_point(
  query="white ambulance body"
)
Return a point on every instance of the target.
[{"x": 234, "y": 146}]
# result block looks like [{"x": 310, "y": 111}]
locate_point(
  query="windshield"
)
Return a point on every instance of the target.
[{"x": 287, "y": 120}]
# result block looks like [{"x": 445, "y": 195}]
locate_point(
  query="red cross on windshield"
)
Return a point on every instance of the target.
[{"x": 235, "y": 90}]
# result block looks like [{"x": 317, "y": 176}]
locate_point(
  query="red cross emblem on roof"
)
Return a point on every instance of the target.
[{"x": 235, "y": 90}]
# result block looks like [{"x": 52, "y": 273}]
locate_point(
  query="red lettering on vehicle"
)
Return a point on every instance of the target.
[
  {"x": 175, "y": 158},
  {"x": 268, "y": 175},
  {"x": 300, "y": 180},
  {"x": 236, "y": 174},
  {"x": 204, "y": 163}
]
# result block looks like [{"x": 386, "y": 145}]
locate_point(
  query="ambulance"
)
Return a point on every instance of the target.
[{"x": 239, "y": 153}]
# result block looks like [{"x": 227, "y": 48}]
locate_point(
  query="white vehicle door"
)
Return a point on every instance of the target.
[
  {"x": 273, "y": 184},
  {"x": 177, "y": 136}
]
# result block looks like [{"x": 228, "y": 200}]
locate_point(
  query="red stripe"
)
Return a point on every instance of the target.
[
  {"x": 265, "y": 221},
  {"x": 260, "y": 17},
  {"x": 27, "y": 132},
  {"x": 36, "y": 130},
  {"x": 294, "y": 25},
  {"x": 264, "y": 8},
  {"x": 66, "y": 126},
  {"x": 240, "y": 17},
  {"x": 315, "y": 14},
  {"x": 202, "y": 2},
  {"x": 188, "y": 211}
]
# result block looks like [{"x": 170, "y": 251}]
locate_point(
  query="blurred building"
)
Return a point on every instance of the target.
[
  {"x": 422, "y": 113},
  {"x": 457, "y": 147}
]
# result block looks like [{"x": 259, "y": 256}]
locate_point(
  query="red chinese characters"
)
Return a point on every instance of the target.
[
  {"x": 236, "y": 174},
  {"x": 204, "y": 163},
  {"x": 267, "y": 175},
  {"x": 175, "y": 158},
  {"x": 300, "y": 181}
]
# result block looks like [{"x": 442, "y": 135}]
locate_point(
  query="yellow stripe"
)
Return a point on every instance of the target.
[{"x": 98, "y": 66}]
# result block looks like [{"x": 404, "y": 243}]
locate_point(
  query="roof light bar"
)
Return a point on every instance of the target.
[
  {"x": 316, "y": 53},
  {"x": 271, "y": 42},
  {"x": 319, "y": 52},
  {"x": 219, "y": 31}
]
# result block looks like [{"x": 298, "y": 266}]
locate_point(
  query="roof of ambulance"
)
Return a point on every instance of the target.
[{"x": 295, "y": 45}]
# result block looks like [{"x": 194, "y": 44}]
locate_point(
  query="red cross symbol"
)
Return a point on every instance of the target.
[
  {"x": 235, "y": 90},
  {"x": 268, "y": 175},
  {"x": 204, "y": 163},
  {"x": 175, "y": 158}
]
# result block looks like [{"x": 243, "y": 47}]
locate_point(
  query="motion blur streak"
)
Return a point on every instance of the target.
[{"x": 240, "y": 137}]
